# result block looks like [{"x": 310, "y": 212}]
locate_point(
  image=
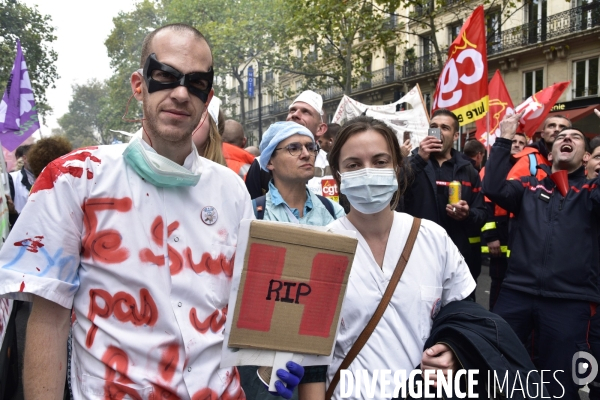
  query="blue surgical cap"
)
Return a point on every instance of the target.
[{"x": 277, "y": 133}]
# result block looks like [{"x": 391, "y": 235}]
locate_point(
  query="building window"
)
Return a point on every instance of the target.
[
  {"x": 427, "y": 98},
  {"x": 585, "y": 77},
  {"x": 453, "y": 31},
  {"x": 536, "y": 16},
  {"x": 533, "y": 82},
  {"x": 390, "y": 55},
  {"x": 390, "y": 58},
  {"x": 587, "y": 15},
  {"x": 393, "y": 21},
  {"x": 426, "y": 63},
  {"x": 423, "y": 9},
  {"x": 367, "y": 62},
  {"x": 494, "y": 31},
  {"x": 426, "y": 45}
]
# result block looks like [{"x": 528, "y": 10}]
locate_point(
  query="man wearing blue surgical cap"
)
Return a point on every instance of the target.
[{"x": 288, "y": 152}]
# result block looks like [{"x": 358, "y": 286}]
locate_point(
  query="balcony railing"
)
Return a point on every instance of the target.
[
  {"x": 384, "y": 76},
  {"x": 421, "y": 65},
  {"x": 331, "y": 92},
  {"x": 574, "y": 20},
  {"x": 585, "y": 91},
  {"x": 275, "y": 108}
]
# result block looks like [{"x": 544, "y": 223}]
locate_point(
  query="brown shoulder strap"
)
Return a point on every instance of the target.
[{"x": 387, "y": 296}]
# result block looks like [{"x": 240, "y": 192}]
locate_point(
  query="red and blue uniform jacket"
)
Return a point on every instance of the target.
[{"x": 554, "y": 244}]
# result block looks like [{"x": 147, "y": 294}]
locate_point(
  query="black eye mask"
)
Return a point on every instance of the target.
[{"x": 198, "y": 83}]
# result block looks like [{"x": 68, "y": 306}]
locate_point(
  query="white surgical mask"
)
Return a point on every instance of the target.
[{"x": 369, "y": 190}]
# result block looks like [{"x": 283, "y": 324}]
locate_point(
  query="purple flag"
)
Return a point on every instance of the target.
[{"x": 18, "y": 113}]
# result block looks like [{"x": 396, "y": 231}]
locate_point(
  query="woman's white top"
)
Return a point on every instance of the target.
[{"x": 435, "y": 275}]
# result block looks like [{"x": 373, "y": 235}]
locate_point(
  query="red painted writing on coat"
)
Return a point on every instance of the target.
[
  {"x": 124, "y": 307},
  {"x": 168, "y": 362},
  {"x": 213, "y": 266},
  {"x": 157, "y": 234},
  {"x": 59, "y": 167},
  {"x": 31, "y": 244},
  {"x": 104, "y": 245},
  {"x": 214, "y": 321},
  {"x": 233, "y": 391},
  {"x": 116, "y": 363},
  {"x": 208, "y": 264}
]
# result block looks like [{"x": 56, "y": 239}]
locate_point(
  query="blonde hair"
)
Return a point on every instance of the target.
[{"x": 213, "y": 148}]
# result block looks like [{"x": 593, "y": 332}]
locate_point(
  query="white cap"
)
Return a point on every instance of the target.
[
  {"x": 213, "y": 109},
  {"x": 312, "y": 99}
]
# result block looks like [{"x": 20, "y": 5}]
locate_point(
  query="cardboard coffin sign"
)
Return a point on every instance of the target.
[{"x": 291, "y": 289}]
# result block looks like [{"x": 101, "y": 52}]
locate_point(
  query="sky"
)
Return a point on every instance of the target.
[{"x": 81, "y": 29}]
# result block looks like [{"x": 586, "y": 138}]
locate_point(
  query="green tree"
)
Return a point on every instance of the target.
[
  {"x": 124, "y": 46},
  {"x": 239, "y": 32},
  {"x": 424, "y": 16},
  {"x": 333, "y": 40},
  {"x": 84, "y": 124},
  {"x": 18, "y": 21}
]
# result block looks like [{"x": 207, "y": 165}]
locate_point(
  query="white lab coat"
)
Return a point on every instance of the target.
[
  {"x": 21, "y": 192},
  {"x": 435, "y": 275},
  {"x": 147, "y": 271}
]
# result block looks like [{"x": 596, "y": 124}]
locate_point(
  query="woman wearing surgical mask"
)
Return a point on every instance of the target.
[
  {"x": 368, "y": 166},
  {"x": 208, "y": 140}
]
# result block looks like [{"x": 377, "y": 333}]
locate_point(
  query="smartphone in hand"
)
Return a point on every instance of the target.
[{"x": 435, "y": 132}]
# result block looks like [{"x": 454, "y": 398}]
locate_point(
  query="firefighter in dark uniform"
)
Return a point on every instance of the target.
[
  {"x": 551, "y": 285},
  {"x": 592, "y": 170},
  {"x": 435, "y": 164},
  {"x": 494, "y": 234}
]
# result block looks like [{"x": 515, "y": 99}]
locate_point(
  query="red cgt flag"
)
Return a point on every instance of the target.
[
  {"x": 462, "y": 86},
  {"x": 538, "y": 106},
  {"x": 499, "y": 103}
]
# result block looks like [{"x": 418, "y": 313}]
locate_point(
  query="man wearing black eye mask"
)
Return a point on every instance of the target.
[
  {"x": 128, "y": 249},
  {"x": 172, "y": 111}
]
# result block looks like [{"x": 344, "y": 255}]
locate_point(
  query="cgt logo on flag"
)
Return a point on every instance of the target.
[
  {"x": 537, "y": 107},
  {"x": 500, "y": 103},
  {"x": 462, "y": 86},
  {"x": 330, "y": 189}
]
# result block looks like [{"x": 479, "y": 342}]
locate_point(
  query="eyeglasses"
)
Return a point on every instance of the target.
[{"x": 295, "y": 149}]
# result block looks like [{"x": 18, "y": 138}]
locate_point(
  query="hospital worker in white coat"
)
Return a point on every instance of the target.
[{"x": 368, "y": 167}]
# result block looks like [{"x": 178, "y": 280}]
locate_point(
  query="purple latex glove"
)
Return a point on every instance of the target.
[{"x": 288, "y": 380}]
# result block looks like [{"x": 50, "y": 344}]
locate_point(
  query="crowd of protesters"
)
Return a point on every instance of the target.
[{"x": 532, "y": 210}]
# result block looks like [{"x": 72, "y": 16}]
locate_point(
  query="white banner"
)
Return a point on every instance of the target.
[{"x": 415, "y": 120}]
